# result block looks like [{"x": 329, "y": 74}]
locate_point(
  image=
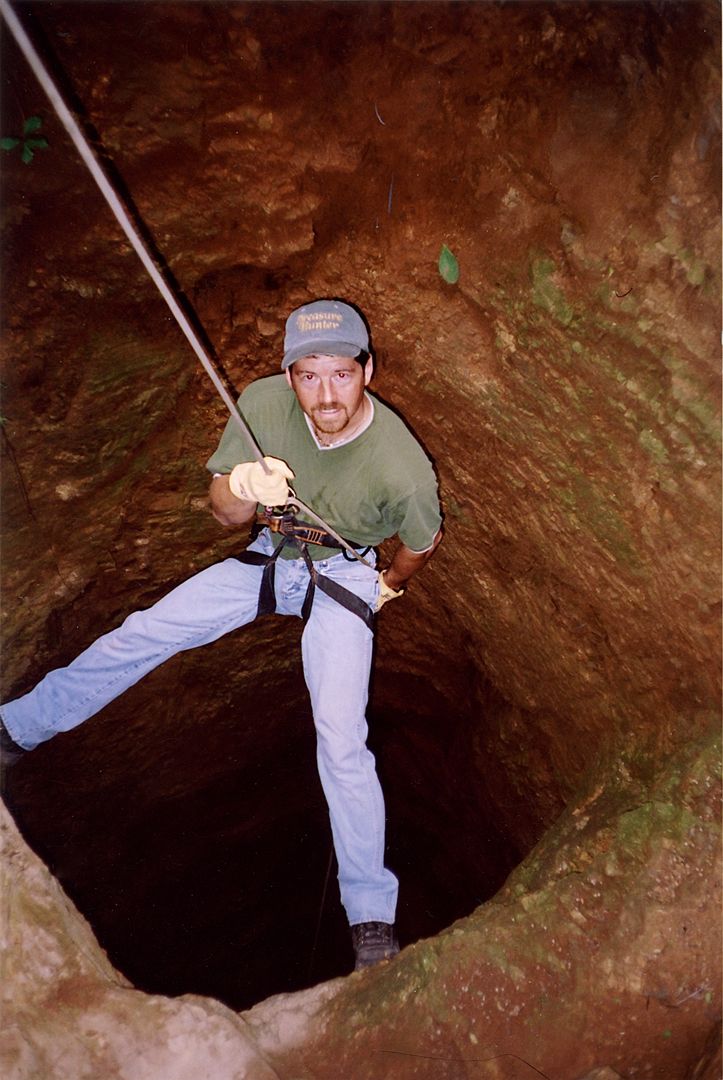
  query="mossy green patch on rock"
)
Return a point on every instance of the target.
[
  {"x": 593, "y": 510},
  {"x": 637, "y": 826},
  {"x": 546, "y": 294},
  {"x": 693, "y": 265},
  {"x": 654, "y": 447}
]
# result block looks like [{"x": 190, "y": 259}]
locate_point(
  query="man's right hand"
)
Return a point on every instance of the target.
[{"x": 251, "y": 483}]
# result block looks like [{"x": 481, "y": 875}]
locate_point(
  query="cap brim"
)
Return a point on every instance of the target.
[{"x": 323, "y": 348}]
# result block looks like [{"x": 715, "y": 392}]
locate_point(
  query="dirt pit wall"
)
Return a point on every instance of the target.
[{"x": 565, "y": 639}]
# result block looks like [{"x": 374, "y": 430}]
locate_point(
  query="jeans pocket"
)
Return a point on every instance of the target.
[{"x": 363, "y": 581}]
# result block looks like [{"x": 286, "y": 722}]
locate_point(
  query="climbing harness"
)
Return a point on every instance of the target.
[
  {"x": 141, "y": 248},
  {"x": 283, "y": 522},
  {"x": 267, "y": 594}
]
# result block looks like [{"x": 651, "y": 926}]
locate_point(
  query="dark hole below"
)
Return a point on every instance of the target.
[{"x": 214, "y": 885}]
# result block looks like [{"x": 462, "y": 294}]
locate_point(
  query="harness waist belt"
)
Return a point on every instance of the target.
[{"x": 287, "y": 525}]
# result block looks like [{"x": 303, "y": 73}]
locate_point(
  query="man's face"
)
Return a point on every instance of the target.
[{"x": 330, "y": 390}]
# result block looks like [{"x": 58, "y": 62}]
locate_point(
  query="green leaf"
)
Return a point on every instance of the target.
[
  {"x": 8, "y": 142},
  {"x": 33, "y": 123},
  {"x": 448, "y": 266},
  {"x": 27, "y": 155},
  {"x": 37, "y": 144}
]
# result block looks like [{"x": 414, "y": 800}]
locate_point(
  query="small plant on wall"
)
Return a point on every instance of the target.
[
  {"x": 29, "y": 141},
  {"x": 448, "y": 266}
]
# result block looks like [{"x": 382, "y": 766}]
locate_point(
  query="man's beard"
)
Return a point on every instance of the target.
[{"x": 328, "y": 425}]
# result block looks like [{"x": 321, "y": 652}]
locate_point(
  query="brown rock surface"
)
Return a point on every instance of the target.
[
  {"x": 548, "y": 688},
  {"x": 67, "y": 1012}
]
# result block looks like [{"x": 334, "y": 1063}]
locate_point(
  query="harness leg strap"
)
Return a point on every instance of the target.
[
  {"x": 347, "y": 599},
  {"x": 267, "y": 592},
  {"x": 333, "y": 589}
]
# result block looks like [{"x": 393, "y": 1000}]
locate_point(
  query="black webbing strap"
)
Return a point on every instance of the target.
[
  {"x": 345, "y": 597},
  {"x": 267, "y": 594}
]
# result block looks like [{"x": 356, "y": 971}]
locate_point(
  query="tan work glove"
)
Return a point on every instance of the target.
[
  {"x": 386, "y": 592},
  {"x": 249, "y": 481}
]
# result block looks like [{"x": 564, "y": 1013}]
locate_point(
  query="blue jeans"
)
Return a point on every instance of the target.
[{"x": 336, "y": 651}]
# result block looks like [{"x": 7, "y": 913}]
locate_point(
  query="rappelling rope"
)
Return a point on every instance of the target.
[
  {"x": 123, "y": 218},
  {"x": 121, "y": 214},
  {"x": 321, "y": 912}
]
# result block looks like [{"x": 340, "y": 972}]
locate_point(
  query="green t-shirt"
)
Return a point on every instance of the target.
[{"x": 380, "y": 484}]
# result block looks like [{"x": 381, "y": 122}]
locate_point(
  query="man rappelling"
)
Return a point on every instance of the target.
[{"x": 354, "y": 461}]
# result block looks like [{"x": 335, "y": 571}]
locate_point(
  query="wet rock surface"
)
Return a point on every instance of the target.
[{"x": 547, "y": 690}]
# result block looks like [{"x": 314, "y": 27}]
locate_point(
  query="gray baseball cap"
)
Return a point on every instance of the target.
[{"x": 328, "y": 327}]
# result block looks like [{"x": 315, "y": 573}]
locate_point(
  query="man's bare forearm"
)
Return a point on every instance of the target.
[
  {"x": 405, "y": 563},
  {"x": 226, "y": 508}
]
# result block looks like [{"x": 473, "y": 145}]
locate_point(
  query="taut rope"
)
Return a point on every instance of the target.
[{"x": 122, "y": 216}]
